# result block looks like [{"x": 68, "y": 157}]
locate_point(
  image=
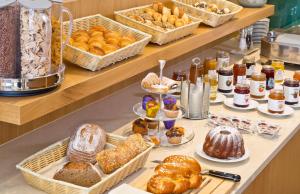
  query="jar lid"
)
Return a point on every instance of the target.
[
  {"x": 242, "y": 86},
  {"x": 36, "y": 4},
  {"x": 4, "y": 3}
]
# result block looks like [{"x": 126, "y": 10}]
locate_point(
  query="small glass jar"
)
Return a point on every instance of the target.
[
  {"x": 225, "y": 80},
  {"x": 210, "y": 66},
  {"x": 241, "y": 96},
  {"x": 270, "y": 73},
  {"x": 297, "y": 75},
  {"x": 239, "y": 74},
  {"x": 258, "y": 85},
  {"x": 276, "y": 101},
  {"x": 223, "y": 59},
  {"x": 279, "y": 70},
  {"x": 213, "y": 81},
  {"x": 291, "y": 91},
  {"x": 179, "y": 77},
  {"x": 250, "y": 65}
]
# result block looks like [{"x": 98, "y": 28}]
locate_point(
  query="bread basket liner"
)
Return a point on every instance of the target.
[
  {"x": 209, "y": 18},
  {"x": 93, "y": 62},
  {"x": 31, "y": 165},
  {"x": 158, "y": 36}
]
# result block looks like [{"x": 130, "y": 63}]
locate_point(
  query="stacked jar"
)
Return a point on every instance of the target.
[
  {"x": 225, "y": 80},
  {"x": 291, "y": 91}
]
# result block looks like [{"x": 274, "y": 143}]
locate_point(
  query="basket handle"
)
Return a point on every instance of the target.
[{"x": 67, "y": 11}]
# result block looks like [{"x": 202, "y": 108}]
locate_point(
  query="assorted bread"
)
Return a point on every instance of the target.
[
  {"x": 161, "y": 17},
  {"x": 100, "y": 41},
  {"x": 153, "y": 83},
  {"x": 176, "y": 174},
  {"x": 212, "y": 7}
]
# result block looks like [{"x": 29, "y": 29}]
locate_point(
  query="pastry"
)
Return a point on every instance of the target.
[
  {"x": 174, "y": 135},
  {"x": 98, "y": 28},
  {"x": 109, "y": 48},
  {"x": 169, "y": 124},
  {"x": 85, "y": 143},
  {"x": 97, "y": 44},
  {"x": 97, "y": 38},
  {"x": 177, "y": 11},
  {"x": 179, "y": 23},
  {"x": 152, "y": 124},
  {"x": 172, "y": 19},
  {"x": 113, "y": 41},
  {"x": 96, "y": 51},
  {"x": 213, "y": 8},
  {"x": 96, "y": 33},
  {"x": 112, "y": 35},
  {"x": 166, "y": 11},
  {"x": 140, "y": 126},
  {"x": 155, "y": 140},
  {"x": 78, "y": 173},
  {"x": 150, "y": 80},
  {"x": 169, "y": 102},
  {"x": 149, "y": 11},
  {"x": 172, "y": 113},
  {"x": 224, "y": 142},
  {"x": 80, "y": 33},
  {"x": 157, "y": 17},
  {"x": 126, "y": 40},
  {"x": 110, "y": 160},
  {"x": 152, "y": 108},
  {"x": 146, "y": 99},
  {"x": 81, "y": 45}
]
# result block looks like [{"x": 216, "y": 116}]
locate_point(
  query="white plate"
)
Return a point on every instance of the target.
[
  {"x": 220, "y": 98},
  {"x": 296, "y": 106},
  {"x": 252, "y": 104},
  {"x": 263, "y": 108},
  {"x": 227, "y": 94},
  {"x": 201, "y": 153},
  {"x": 262, "y": 99}
]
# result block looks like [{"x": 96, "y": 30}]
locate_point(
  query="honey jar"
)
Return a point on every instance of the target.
[
  {"x": 276, "y": 101},
  {"x": 239, "y": 74},
  {"x": 241, "y": 96},
  {"x": 291, "y": 91},
  {"x": 279, "y": 70},
  {"x": 225, "y": 78},
  {"x": 258, "y": 85},
  {"x": 270, "y": 73}
]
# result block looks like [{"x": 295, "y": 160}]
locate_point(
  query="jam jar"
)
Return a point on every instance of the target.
[
  {"x": 210, "y": 66},
  {"x": 225, "y": 77},
  {"x": 270, "y": 73},
  {"x": 258, "y": 85},
  {"x": 241, "y": 96},
  {"x": 276, "y": 101},
  {"x": 291, "y": 91},
  {"x": 239, "y": 73},
  {"x": 279, "y": 70},
  {"x": 250, "y": 65}
]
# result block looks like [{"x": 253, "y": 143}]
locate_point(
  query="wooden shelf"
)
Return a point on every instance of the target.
[{"x": 80, "y": 84}]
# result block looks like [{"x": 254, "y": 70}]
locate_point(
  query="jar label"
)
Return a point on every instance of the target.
[
  {"x": 225, "y": 82},
  {"x": 250, "y": 70},
  {"x": 291, "y": 94},
  {"x": 279, "y": 75},
  {"x": 276, "y": 105},
  {"x": 241, "y": 79},
  {"x": 223, "y": 62},
  {"x": 241, "y": 99},
  {"x": 257, "y": 88}
]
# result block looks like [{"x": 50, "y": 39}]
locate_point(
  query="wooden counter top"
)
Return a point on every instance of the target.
[{"x": 80, "y": 84}]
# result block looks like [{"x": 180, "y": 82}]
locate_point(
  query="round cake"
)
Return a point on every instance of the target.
[{"x": 224, "y": 142}]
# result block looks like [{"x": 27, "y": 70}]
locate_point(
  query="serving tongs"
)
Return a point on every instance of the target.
[{"x": 214, "y": 173}]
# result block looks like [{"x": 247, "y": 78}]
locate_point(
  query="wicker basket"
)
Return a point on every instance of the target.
[
  {"x": 31, "y": 166},
  {"x": 93, "y": 62},
  {"x": 158, "y": 36},
  {"x": 209, "y": 18}
]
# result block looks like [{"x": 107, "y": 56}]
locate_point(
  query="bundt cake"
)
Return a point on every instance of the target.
[{"x": 224, "y": 142}]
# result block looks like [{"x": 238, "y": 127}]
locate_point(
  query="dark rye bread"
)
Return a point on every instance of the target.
[{"x": 79, "y": 173}]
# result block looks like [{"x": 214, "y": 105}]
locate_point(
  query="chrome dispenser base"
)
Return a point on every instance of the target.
[{"x": 29, "y": 87}]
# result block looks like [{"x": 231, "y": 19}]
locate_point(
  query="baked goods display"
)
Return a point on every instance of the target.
[
  {"x": 100, "y": 41},
  {"x": 87, "y": 141},
  {"x": 161, "y": 17},
  {"x": 79, "y": 173},
  {"x": 212, "y": 7},
  {"x": 153, "y": 84},
  {"x": 177, "y": 174},
  {"x": 111, "y": 159},
  {"x": 224, "y": 142},
  {"x": 175, "y": 134}
]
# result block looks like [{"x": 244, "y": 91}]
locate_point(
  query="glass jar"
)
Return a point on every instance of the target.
[
  {"x": 297, "y": 75},
  {"x": 291, "y": 91},
  {"x": 270, "y": 73},
  {"x": 179, "y": 76},
  {"x": 225, "y": 80},
  {"x": 35, "y": 31},
  {"x": 276, "y": 101},
  {"x": 213, "y": 81},
  {"x": 223, "y": 59},
  {"x": 241, "y": 96},
  {"x": 239, "y": 74},
  {"x": 258, "y": 85},
  {"x": 279, "y": 70},
  {"x": 59, "y": 39},
  {"x": 210, "y": 66},
  {"x": 9, "y": 39},
  {"x": 250, "y": 65}
]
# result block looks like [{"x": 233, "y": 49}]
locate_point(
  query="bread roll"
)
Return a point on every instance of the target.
[
  {"x": 96, "y": 33},
  {"x": 177, "y": 11},
  {"x": 78, "y": 173},
  {"x": 79, "y": 33},
  {"x": 97, "y": 38},
  {"x": 97, "y": 44},
  {"x": 179, "y": 23},
  {"x": 172, "y": 19},
  {"x": 109, "y": 48},
  {"x": 98, "y": 28},
  {"x": 81, "y": 45},
  {"x": 96, "y": 51},
  {"x": 82, "y": 39},
  {"x": 186, "y": 161},
  {"x": 113, "y": 41},
  {"x": 112, "y": 35},
  {"x": 157, "y": 17}
]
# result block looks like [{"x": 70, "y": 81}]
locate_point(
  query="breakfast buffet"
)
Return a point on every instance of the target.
[{"x": 188, "y": 126}]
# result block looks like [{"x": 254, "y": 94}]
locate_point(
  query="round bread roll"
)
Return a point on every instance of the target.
[
  {"x": 109, "y": 48},
  {"x": 81, "y": 45}
]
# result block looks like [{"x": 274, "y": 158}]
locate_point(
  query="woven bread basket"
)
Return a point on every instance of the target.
[
  {"x": 31, "y": 166},
  {"x": 209, "y": 18},
  {"x": 158, "y": 36},
  {"x": 93, "y": 62}
]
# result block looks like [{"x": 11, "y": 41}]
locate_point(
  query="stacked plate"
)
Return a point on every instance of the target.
[{"x": 260, "y": 30}]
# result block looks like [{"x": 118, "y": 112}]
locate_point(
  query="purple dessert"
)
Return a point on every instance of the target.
[
  {"x": 146, "y": 99},
  {"x": 169, "y": 102},
  {"x": 169, "y": 124}
]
